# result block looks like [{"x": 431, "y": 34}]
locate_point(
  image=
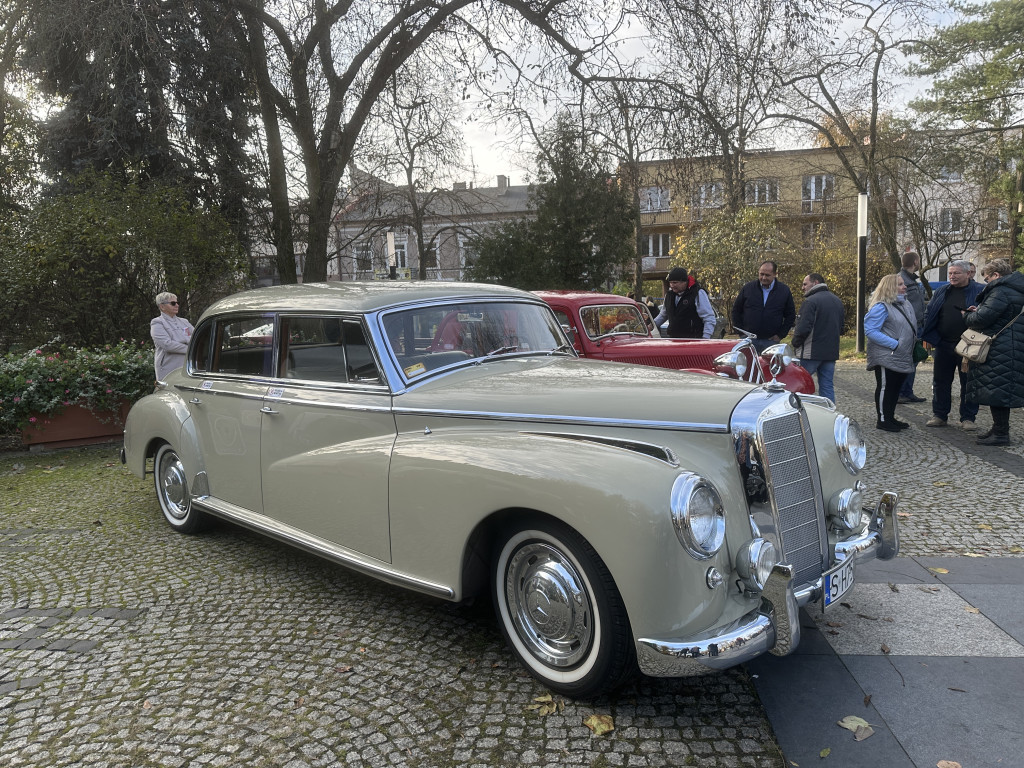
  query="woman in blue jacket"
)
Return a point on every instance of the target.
[{"x": 891, "y": 330}]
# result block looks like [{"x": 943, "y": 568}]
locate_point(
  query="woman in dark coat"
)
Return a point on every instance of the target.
[{"x": 999, "y": 381}]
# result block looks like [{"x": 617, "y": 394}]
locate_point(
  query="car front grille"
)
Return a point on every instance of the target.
[{"x": 792, "y": 483}]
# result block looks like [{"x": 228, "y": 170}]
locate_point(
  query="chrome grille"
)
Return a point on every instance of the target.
[{"x": 793, "y": 490}]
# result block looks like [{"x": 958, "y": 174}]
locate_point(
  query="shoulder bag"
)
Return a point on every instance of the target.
[
  {"x": 974, "y": 345},
  {"x": 920, "y": 353}
]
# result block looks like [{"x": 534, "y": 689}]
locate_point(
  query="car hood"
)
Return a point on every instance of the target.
[{"x": 579, "y": 390}]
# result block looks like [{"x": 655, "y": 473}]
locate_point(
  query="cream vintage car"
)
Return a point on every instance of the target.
[{"x": 621, "y": 517}]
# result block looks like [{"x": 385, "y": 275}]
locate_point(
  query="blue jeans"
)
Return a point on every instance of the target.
[
  {"x": 907, "y": 390},
  {"x": 826, "y": 370},
  {"x": 947, "y": 366}
]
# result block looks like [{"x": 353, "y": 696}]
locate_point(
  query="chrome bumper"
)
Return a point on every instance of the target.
[{"x": 775, "y": 626}]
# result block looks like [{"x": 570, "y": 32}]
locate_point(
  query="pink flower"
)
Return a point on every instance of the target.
[
  {"x": 32, "y": 419},
  {"x": 17, "y": 399},
  {"x": 109, "y": 391}
]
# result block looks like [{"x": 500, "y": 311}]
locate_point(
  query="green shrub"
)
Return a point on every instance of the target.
[{"x": 42, "y": 381}]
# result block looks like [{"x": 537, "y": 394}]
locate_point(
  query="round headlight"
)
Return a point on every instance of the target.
[
  {"x": 754, "y": 563},
  {"x": 733, "y": 363},
  {"x": 850, "y": 443},
  {"x": 697, "y": 515}
]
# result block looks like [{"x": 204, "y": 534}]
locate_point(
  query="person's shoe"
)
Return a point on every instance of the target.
[
  {"x": 888, "y": 426},
  {"x": 935, "y": 421},
  {"x": 993, "y": 439},
  {"x": 968, "y": 426},
  {"x": 916, "y": 399},
  {"x": 904, "y": 400},
  {"x": 901, "y": 424},
  {"x": 989, "y": 433}
]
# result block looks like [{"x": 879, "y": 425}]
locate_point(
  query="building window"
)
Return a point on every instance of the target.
[
  {"x": 468, "y": 253},
  {"x": 950, "y": 221},
  {"x": 430, "y": 257},
  {"x": 364, "y": 257},
  {"x": 656, "y": 246},
  {"x": 708, "y": 195},
  {"x": 762, "y": 192},
  {"x": 948, "y": 173},
  {"x": 816, "y": 233},
  {"x": 400, "y": 255},
  {"x": 655, "y": 199},
  {"x": 817, "y": 189},
  {"x": 1002, "y": 220}
]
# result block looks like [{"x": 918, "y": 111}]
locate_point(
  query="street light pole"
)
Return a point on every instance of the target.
[{"x": 862, "y": 262}]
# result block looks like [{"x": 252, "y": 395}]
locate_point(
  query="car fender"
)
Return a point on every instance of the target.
[
  {"x": 615, "y": 496},
  {"x": 162, "y": 417}
]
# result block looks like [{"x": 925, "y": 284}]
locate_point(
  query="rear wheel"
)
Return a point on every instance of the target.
[
  {"x": 560, "y": 610},
  {"x": 173, "y": 494}
]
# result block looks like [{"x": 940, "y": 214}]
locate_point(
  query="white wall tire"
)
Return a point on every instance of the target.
[
  {"x": 559, "y": 610},
  {"x": 172, "y": 492}
]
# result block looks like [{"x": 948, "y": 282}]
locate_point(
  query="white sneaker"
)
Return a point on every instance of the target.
[
  {"x": 968, "y": 426},
  {"x": 935, "y": 421}
]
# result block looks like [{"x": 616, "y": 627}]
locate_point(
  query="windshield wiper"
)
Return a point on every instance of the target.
[
  {"x": 503, "y": 350},
  {"x": 563, "y": 348}
]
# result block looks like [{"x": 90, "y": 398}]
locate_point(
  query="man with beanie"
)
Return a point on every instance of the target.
[
  {"x": 686, "y": 307},
  {"x": 765, "y": 308},
  {"x": 817, "y": 332}
]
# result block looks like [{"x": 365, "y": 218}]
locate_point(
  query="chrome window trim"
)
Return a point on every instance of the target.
[
  {"x": 652, "y": 450},
  {"x": 555, "y": 419},
  {"x": 314, "y": 544},
  {"x": 225, "y": 392}
]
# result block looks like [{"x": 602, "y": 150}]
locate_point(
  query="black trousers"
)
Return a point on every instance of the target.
[
  {"x": 887, "y": 392},
  {"x": 1000, "y": 420}
]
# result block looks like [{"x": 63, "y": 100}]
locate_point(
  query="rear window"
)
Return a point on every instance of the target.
[{"x": 243, "y": 346}]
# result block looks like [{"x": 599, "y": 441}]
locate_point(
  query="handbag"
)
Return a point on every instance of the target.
[
  {"x": 974, "y": 345},
  {"x": 920, "y": 353}
]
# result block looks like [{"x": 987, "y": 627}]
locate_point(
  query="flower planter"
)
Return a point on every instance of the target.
[{"x": 75, "y": 425}]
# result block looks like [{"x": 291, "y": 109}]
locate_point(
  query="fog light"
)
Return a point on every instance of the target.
[
  {"x": 754, "y": 563},
  {"x": 733, "y": 364},
  {"x": 846, "y": 506}
]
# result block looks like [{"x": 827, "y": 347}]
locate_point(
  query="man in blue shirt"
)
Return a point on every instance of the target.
[{"x": 765, "y": 308}]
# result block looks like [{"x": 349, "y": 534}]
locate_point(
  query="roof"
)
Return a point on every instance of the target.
[
  {"x": 356, "y": 296},
  {"x": 585, "y": 297}
]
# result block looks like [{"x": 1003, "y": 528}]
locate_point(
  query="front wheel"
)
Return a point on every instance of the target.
[
  {"x": 173, "y": 494},
  {"x": 560, "y": 611}
]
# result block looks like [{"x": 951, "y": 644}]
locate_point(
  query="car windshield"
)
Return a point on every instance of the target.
[
  {"x": 601, "y": 320},
  {"x": 427, "y": 338}
]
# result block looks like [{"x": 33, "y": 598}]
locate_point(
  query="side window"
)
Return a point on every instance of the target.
[
  {"x": 201, "y": 348},
  {"x": 244, "y": 346},
  {"x": 328, "y": 349}
]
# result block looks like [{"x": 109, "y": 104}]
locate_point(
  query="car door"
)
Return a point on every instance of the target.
[
  {"x": 235, "y": 367},
  {"x": 327, "y": 435}
]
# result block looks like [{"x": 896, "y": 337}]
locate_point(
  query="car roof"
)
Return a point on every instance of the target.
[
  {"x": 585, "y": 297},
  {"x": 356, "y": 296}
]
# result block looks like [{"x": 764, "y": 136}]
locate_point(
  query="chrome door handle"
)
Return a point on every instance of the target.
[
  {"x": 267, "y": 409},
  {"x": 195, "y": 401}
]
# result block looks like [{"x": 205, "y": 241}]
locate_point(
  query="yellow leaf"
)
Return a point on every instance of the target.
[
  {"x": 852, "y": 723},
  {"x": 1016, "y": 550},
  {"x": 543, "y": 699},
  {"x": 972, "y": 554},
  {"x": 599, "y": 724},
  {"x": 984, "y": 527},
  {"x": 971, "y": 609},
  {"x": 825, "y": 752},
  {"x": 948, "y": 764},
  {"x": 938, "y": 570},
  {"x": 941, "y": 484}
]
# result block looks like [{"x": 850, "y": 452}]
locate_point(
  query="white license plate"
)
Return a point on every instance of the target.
[{"x": 837, "y": 582}]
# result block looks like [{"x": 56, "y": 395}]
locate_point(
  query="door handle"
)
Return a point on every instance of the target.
[
  {"x": 195, "y": 401},
  {"x": 267, "y": 409}
]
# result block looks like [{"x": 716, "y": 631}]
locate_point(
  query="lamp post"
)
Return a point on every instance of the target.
[{"x": 862, "y": 262}]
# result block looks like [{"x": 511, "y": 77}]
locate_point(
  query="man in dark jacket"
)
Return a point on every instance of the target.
[
  {"x": 765, "y": 308},
  {"x": 916, "y": 298},
  {"x": 818, "y": 328},
  {"x": 687, "y": 308},
  {"x": 943, "y": 326}
]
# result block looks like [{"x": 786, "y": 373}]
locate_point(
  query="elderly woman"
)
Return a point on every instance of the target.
[
  {"x": 999, "y": 381},
  {"x": 170, "y": 336},
  {"x": 891, "y": 330}
]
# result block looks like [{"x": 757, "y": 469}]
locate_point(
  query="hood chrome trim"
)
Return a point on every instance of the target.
[
  {"x": 659, "y": 452},
  {"x": 684, "y": 426}
]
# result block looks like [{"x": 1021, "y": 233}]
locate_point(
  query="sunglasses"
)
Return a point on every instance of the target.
[{"x": 172, "y": 303}]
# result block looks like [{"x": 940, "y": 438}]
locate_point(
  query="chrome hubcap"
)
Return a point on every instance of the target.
[
  {"x": 549, "y": 604},
  {"x": 174, "y": 487}
]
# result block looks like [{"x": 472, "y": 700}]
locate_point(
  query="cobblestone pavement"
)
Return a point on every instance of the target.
[
  {"x": 956, "y": 497},
  {"x": 123, "y": 643}
]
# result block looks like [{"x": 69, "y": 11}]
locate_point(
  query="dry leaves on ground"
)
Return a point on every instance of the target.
[
  {"x": 546, "y": 705},
  {"x": 599, "y": 724}
]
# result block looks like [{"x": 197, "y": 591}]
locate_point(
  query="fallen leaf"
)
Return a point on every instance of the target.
[
  {"x": 847, "y": 605},
  {"x": 1016, "y": 550},
  {"x": 903, "y": 514},
  {"x": 825, "y": 752},
  {"x": 300, "y": 701},
  {"x": 972, "y": 609},
  {"x": 832, "y": 632},
  {"x": 885, "y": 648},
  {"x": 948, "y": 764},
  {"x": 984, "y": 527},
  {"x": 941, "y": 484},
  {"x": 599, "y": 724},
  {"x": 972, "y": 554},
  {"x": 543, "y": 699},
  {"x": 343, "y": 670},
  {"x": 893, "y": 587},
  {"x": 958, "y": 690},
  {"x": 863, "y": 732},
  {"x": 933, "y": 590},
  {"x": 833, "y": 623},
  {"x": 852, "y": 723},
  {"x": 867, "y": 700},
  {"x": 146, "y": 704},
  {"x": 869, "y": 618},
  {"x": 939, "y": 570}
]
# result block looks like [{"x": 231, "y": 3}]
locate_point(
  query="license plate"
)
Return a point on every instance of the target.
[{"x": 837, "y": 582}]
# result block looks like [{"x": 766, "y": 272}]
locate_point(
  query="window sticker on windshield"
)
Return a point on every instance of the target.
[
  {"x": 206, "y": 385},
  {"x": 415, "y": 370},
  {"x": 275, "y": 392}
]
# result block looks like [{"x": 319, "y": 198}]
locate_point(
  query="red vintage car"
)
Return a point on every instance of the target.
[{"x": 604, "y": 326}]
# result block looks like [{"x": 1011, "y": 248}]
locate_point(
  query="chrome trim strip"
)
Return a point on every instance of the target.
[
  {"x": 331, "y": 406},
  {"x": 575, "y": 420},
  {"x": 659, "y": 452},
  {"x": 778, "y": 594},
  {"x": 317, "y": 546}
]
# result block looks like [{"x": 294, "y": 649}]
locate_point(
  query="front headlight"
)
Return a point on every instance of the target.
[
  {"x": 754, "y": 563},
  {"x": 850, "y": 443},
  {"x": 697, "y": 515},
  {"x": 778, "y": 356},
  {"x": 733, "y": 363}
]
